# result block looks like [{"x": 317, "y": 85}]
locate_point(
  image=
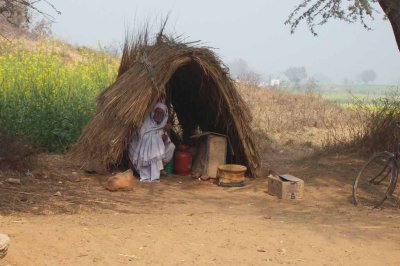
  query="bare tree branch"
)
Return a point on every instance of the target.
[
  {"x": 9, "y": 9},
  {"x": 319, "y": 12}
]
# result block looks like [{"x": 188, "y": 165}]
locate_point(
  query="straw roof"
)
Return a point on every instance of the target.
[{"x": 190, "y": 78}]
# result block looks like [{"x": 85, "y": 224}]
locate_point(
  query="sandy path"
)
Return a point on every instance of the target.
[{"x": 185, "y": 222}]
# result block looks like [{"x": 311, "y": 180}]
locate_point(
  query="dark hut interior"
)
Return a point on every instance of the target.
[{"x": 194, "y": 99}]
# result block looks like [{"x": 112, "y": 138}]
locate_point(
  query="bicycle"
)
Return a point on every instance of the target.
[{"x": 377, "y": 179}]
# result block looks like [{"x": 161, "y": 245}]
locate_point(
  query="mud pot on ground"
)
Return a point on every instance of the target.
[{"x": 57, "y": 217}]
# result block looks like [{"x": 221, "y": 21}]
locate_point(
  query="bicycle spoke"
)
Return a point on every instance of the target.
[
  {"x": 372, "y": 184},
  {"x": 388, "y": 171}
]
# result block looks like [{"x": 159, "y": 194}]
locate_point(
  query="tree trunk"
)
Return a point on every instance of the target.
[{"x": 392, "y": 11}]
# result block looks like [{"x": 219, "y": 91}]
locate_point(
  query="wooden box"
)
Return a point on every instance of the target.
[
  {"x": 285, "y": 186},
  {"x": 210, "y": 153}
]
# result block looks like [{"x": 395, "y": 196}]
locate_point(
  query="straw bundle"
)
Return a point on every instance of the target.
[{"x": 193, "y": 82}]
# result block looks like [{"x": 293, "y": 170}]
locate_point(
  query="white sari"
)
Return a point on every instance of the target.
[{"x": 148, "y": 151}]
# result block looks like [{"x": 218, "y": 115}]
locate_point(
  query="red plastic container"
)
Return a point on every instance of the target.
[{"x": 183, "y": 160}]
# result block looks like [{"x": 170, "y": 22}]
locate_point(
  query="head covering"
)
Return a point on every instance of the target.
[
  {"x": 161, "y": 106},
  {"x": 149, "y": 147}
]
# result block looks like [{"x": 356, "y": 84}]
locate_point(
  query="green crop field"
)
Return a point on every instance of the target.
[
  {"x": 347, "y": 98},
  {"x": 347, "y": 94},
  {"x": 48, "y": 96}
]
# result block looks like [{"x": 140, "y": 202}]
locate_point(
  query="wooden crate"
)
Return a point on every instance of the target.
[{"x": 211, "y": 152}]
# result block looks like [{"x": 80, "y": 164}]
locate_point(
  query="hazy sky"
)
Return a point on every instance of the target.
[{"x": 252, "y": 30}]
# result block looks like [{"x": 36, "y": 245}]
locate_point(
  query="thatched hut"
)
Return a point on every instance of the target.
[{"x": 193, "y": 82}]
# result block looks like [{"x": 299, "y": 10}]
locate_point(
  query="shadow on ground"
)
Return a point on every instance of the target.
[{"x": 328, "y": 180}]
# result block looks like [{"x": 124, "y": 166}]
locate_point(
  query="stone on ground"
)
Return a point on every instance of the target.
[{"x": 4, "y": 243}]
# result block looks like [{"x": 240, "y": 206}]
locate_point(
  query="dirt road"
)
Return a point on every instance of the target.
[{"x": 182, "y": 221}]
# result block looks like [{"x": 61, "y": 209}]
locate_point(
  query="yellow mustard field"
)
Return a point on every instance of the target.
[{"x": 48, "y": 95}]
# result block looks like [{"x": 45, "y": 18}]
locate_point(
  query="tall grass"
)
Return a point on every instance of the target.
[
  {"x": 48, "y": 96},
  {"x": 378, "y": 124},
  {"x": 285, "y": 118}
]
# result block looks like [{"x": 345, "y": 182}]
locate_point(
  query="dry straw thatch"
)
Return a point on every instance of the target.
[{"x": 191, "y": 79}]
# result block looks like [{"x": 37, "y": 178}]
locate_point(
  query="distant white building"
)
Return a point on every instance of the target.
[{"x": 275, "y": 82}]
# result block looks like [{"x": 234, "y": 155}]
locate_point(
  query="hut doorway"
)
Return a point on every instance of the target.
[{"x": 196, "y": 105}]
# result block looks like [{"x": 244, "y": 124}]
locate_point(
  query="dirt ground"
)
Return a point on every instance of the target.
[{"x": 54, "y": 220}]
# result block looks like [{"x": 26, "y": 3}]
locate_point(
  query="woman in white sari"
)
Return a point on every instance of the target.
[{"x": 152, "y": 149}]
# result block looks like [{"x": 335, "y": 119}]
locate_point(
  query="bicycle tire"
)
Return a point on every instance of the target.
[{"x": 376, "y": 180}]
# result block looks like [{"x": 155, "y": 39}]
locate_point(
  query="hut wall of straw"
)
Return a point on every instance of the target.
[{"x": 191, "y": 79}]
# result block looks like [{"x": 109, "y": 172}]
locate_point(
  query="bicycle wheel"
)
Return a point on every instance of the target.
[{"x": 376, "y": 180}]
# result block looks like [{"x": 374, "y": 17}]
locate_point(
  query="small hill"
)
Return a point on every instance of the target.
[{"x": 24, "y": 42}]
